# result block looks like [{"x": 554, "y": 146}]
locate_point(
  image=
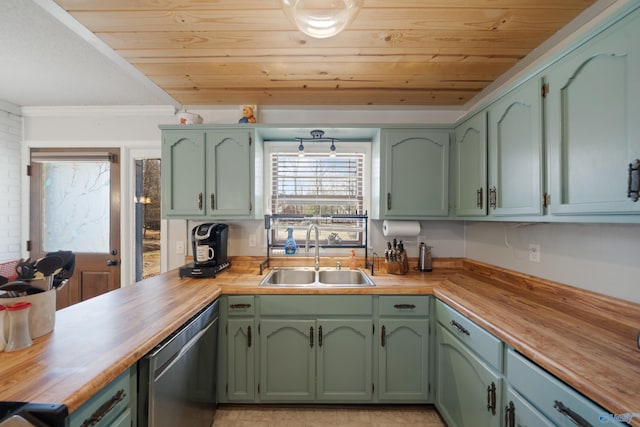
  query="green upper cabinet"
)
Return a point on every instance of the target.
[
  {"x": 515, "y": 152},
  {"x": 414, "y": 173},
  {"x": 183, "y": 173},
  {"x": 471, "y": 166},
  {"x": 207, "y": 173},
  {"x": 593, "y": 123}
]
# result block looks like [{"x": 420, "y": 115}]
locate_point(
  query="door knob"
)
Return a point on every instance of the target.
[{"x": 112, "y": 262}]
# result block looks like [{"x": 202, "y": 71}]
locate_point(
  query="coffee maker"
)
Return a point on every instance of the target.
[{"x": 209, "y": 249}]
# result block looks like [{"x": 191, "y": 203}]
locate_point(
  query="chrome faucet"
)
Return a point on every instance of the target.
[{"x": 316, "y": 264}]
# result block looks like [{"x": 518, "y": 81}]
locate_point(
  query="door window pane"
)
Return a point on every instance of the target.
[{"x": 76, "y": 206}]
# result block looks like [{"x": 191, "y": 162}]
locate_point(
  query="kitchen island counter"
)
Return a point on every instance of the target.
[{"x": 585, "y": 339}]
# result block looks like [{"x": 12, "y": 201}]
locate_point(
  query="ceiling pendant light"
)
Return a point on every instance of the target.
[
  {"x": 300, "y": 150},
  {"x": 321, "y": 18}
]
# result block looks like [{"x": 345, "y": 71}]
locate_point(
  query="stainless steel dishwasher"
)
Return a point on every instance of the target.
[{"x": 177, "y": 379}]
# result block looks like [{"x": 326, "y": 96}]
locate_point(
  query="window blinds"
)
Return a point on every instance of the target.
[{"x": 317, "y": 184}]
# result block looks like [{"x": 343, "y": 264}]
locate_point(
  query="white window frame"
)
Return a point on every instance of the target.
[{"x": 365, "y": 147}]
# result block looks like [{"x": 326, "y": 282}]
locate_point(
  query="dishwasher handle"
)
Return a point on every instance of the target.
[{"x": 173, "y": 360}]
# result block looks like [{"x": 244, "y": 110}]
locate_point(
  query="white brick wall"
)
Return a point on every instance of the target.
[{"x": 10, "y": 138}]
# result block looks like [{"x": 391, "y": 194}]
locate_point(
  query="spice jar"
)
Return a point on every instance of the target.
[
  {"x": 3, "y": 342},
  {"x": 19, "y": 336}
]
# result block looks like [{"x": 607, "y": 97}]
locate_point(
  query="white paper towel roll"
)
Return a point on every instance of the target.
[{"x": 400, "y": 228}]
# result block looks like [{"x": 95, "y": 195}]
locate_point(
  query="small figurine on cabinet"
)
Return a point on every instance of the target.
[{"x": 248, "y": 114}]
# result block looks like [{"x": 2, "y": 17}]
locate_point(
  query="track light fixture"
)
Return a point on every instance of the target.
[{"x": 317, "y": 135}]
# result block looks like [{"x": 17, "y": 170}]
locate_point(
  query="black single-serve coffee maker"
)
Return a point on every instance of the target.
[{"x": 209, "y": 248}]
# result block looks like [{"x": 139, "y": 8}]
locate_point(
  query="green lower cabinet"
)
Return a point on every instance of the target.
[
  {"x": 315, "y": 360},
  {"x": 287, "y": 359},
  {"x": 113, "y": 406},
  {"x": 344, "y": 361},
  {"x": 240, "y": 353},
  {"x": 468, "y": 391},
  {"x": 519, "y": 412},
  {"x": 403, "y": 354}
]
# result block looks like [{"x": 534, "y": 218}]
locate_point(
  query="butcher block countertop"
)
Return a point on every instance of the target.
[{"x": 585, "y": 339}]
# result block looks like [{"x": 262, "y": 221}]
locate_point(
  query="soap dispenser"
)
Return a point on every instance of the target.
[
  {"x": 352, "y": 261},
  {"x": 290, "y": 247}
]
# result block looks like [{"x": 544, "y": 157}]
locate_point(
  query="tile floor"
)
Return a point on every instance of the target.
[{"x": 326, "y": 416}]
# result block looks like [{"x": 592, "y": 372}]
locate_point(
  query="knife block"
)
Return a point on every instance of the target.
[{"x": 400, "y": 266}]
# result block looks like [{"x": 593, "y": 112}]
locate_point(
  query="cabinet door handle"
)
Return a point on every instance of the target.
[
  {"x": 572, "y": 415},
  {"x": 460, "y": 328},
  {"x": 240, "y": 306},
  {"x": 383, "y": 334},
  {"x": 493, "y": 197},
  {"x": 199, "y": 201},
  {"x": 104, "y": 409},
  {"x": 311, "y": 337},
  {"x": 319, "y": 336},
  {"x": 249, "y": 336},
  {"x": 479, "y": 200},
  {"x": 404, "y": 306},
  {"x": 213, "y": 201},
  {"x": 633, "y": 186},
  {"x": 388, "y": 201},
  {"x": 491, "y": 398},
  {"x": 510, "y": 415}
]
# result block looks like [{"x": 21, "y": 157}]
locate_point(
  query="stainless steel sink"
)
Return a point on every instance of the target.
[
  {"x": 337, "y": 277},
  {"x": 308, "y": 277},
  {"x": 289, "y": 277}
]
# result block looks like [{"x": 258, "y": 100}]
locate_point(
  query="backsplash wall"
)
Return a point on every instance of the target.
[{"x": 599, "y": 257}]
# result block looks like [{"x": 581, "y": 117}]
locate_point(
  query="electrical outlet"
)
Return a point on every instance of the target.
[
  {"x": 534, "y": 253},
  {"x": 179, "y": 247},
  {"x": 252, "y": 240}
]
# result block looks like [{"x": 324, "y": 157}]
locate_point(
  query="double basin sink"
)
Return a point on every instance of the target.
[{"x": 308, "y": 277}]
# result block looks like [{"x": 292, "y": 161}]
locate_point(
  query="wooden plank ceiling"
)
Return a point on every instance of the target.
[{"x": 396, "y": 52}]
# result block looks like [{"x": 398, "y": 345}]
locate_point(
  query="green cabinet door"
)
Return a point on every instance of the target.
[
  {"x": 403, "y": 356},
  {"x": 414, "y": 173},
  {"x": 183, "y": 173},
  {"x": 471, "y": 166},
  {"x": 468, "y": 391},
  {"x": 593, "y": 132},
  {"x": 344, "y": 362},
  {"x": 241, "y": 353},
  {"x": 515, "y": 152},
  {"x": 287, "y": 359},
  {"x": 519, "y": 412},
  {"x": 229, "y": 173}
]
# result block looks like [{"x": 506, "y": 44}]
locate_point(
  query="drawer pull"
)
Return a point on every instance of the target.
[
  {"x": 572, "y": 415},
  {"x": 248, "y": 336},
  {"x": 311, "y": 337},
  {"x": 383, "y": 333},
  {"x": 491, "y": 398},
  {"x": 104, "y": 409},
  {"x": 319, "y": 336},
  {"x": 240, "y": 306},
  {"x": 510, "y": 415},
  {"x": 460, "y": 328},
  {"x": 404, "y": 306}
]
